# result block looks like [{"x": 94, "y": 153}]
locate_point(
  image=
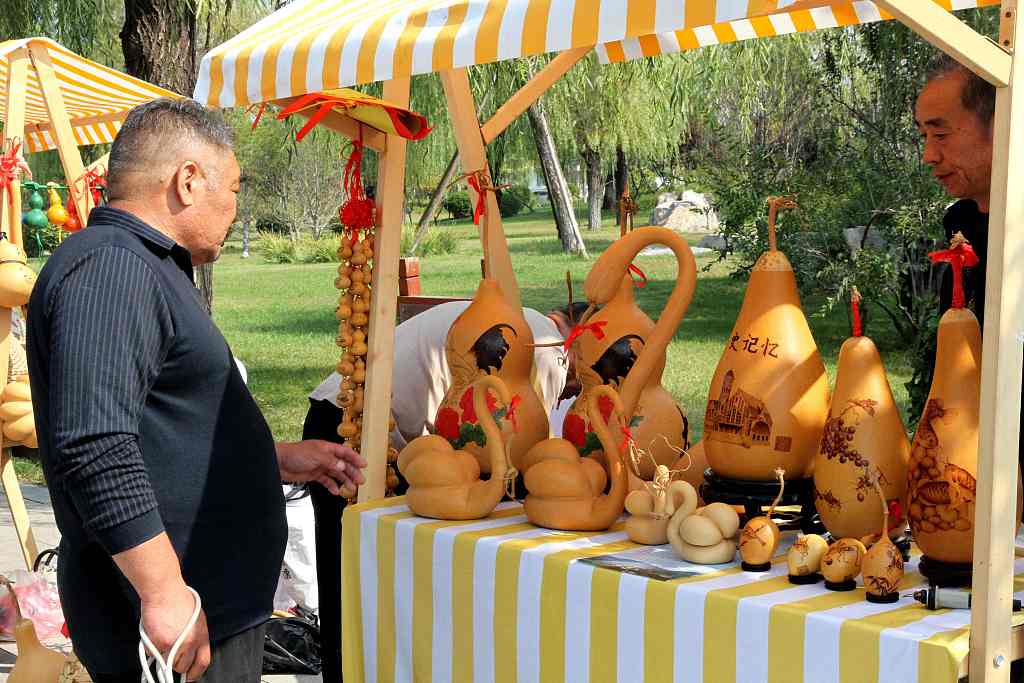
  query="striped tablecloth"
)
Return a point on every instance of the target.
[{"x": 501, "y": 600}]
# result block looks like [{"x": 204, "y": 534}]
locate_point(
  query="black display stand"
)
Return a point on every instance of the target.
[
  {"x": 946, "y": 574},
  {"x": 754, "y": 496}
]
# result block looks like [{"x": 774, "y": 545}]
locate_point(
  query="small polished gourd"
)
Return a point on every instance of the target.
[
  {"x": 841, "y": 564},
  {"x": 650, "y": 508},
  {"x": 568, "y": 492},
  {"x": 704, "y": 535},
  {"x": 804, "y": 558},
  {"x": 19, "y": 423},
  {"x": 445, "y": 483},
  {"x": 35, "y": 663},
  {"x": 883, "y": 563},
  {"x": 760, "y": 535},
  {"x": 16, "y": 278},
  {"x": 768, "y": 399}
]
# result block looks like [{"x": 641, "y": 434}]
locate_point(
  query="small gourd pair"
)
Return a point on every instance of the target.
[
  {"x": 706, "y": 535},
  {"x": 651, "y": 508}
]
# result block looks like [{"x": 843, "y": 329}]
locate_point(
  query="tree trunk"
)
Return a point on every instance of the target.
[
  {"x": 610, "y": 200},
  {"x": 595, "y": 188},
  {"x": 245, "y": 239},
  {"x": 558, "y": 189},
  {"x": 158, "y": 40},
  {"x": 621, "y": 180},
  {"x": 427, "y": 219}
]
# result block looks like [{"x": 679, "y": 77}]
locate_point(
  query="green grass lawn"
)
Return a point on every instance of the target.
[{"x": 279, "y": 319}]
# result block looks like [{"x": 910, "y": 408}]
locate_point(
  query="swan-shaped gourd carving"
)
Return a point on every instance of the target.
[
  {"x": 704, "y": 535},
  {"x": 605, "y": 280},
  {"x": 445, "y": 483},
  {"x": 883, "y": 563},
  {"x": 567, "y": 491}
]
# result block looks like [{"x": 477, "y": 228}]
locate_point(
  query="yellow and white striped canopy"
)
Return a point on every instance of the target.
[
  {"x": 97, "y": 97},
  {"x": 313, "y": 45}
]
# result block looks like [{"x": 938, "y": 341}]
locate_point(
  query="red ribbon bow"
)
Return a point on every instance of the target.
[
  {"x": 481, "y": 198},
  {"x": 580, "y": 330},
  {"x": 642, "y": 282},
  {"x": 12, "y": 165},
  {"x": 627, "y": 437},
  {"x": 94, "y": 180},
  {"x": 511, "y": 413},
  {"x": 960, "y": 255}
]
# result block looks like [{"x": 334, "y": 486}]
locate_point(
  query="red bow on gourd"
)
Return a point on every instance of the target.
[
  {"x": 580, "y": 330},
  {"x": 959, "y": 255},
  {"x": 642, "y": 282}
]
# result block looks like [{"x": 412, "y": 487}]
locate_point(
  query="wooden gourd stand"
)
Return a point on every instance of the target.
[{"x": 34, "y": 60}]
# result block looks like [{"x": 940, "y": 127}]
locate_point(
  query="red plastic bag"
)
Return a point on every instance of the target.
[{"x": 39, "y": 602}]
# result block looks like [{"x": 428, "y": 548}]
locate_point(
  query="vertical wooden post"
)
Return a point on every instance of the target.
[
  {"x": 10, "y": 223},
  {"x": 995, "y": 512},
  {"x": 380, "y": 358},
  {"x": 473, "y": 156},
  {"x": 14, "y": 127},
  {"x": 60, "y": 128},
  {"x": 8, "y": 479}
]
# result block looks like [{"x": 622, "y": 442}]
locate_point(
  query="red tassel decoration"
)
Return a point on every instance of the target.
[{"x": 959, "y": 255}]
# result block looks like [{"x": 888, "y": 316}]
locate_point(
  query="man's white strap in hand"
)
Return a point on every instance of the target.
[{"x": 148, "y": 654}]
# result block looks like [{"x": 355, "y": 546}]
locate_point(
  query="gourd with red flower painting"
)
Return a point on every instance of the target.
[
  {"x": 606, "y": 353},
  {"x": 603, "y": 284},
  {"x": 491, "y": 338}
]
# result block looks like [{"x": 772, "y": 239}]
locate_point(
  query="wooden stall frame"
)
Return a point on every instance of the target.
[
  {"x": 380, "y": 358},
  {"x": 10, "y": 223},
  {"x": 991, "y": 647}
]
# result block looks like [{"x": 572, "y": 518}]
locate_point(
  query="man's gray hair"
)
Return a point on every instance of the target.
[
  {"x": 156, "y": 129},
  {"x": 977, "y": 95}
]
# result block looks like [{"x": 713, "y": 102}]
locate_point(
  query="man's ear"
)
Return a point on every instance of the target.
[{"x": 185, "y": 182}]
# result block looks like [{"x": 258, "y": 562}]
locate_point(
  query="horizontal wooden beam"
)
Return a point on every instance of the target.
[
  {"x": 946, "y": 32},
  {"x": 85, "y": 121},
  {"x": 531, "y": 92},
  {"x": 339, "y": 123}
]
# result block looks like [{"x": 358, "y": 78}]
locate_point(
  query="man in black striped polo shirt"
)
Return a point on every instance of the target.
[{"x": 162, "y": 470}]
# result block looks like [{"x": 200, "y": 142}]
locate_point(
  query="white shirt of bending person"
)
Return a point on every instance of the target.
[{"x": 421, "y": 375}]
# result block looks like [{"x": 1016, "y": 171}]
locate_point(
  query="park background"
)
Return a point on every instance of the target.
[{"x": 827, "y": 115}]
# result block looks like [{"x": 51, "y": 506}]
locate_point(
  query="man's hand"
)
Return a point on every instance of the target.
[
  {"x": 164, "y": 617},
  {"x": 167, "y": 605},
  {"x": 332, "y": 465}
]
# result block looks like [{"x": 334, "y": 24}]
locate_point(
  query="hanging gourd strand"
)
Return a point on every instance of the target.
[{"x": 357, "y": 215}]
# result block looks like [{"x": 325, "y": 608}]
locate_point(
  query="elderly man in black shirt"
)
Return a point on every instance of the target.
[
  {"x": 955, "y": 114},
  {"x": 162, "y": 470}
]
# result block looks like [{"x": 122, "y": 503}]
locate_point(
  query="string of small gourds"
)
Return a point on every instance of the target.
[{"x": 355, "y": 278}]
